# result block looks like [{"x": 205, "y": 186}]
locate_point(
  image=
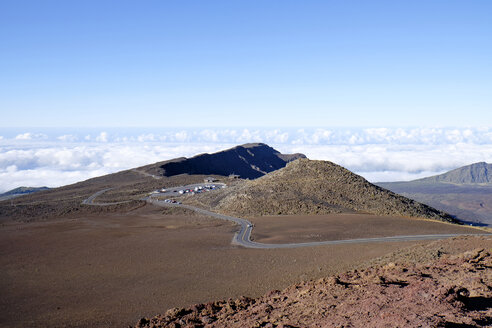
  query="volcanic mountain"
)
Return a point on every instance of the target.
[
  {"x": 475, "y": 173},
  {"x": 465, "y": 192},
  {"x": 248, "y": 161},
  {"x": 314, "y": 187},
  {"x": 129, "y": 186},
  {"x": 282, "y": 184}
]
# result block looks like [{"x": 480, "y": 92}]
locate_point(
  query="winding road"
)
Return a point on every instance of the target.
[
  {"x": 90, "y": 200},
  {"x": 243, "y": 236}
]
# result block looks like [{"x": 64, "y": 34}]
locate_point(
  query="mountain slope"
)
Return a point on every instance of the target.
[
  {"x": 248, "y": 161},
  {"x": 311, "y": 187},
  {"x": 465, "y": 192},
  {"x": 475, "y": 173}
]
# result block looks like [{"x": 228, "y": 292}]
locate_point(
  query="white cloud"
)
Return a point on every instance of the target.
[
  {"x": 53, "y": 166},
  {"x": 392, "y": 162},
  {"x": 321, "y": 136},
  {"x": 24, "y": 136},
  {"x": 31, "y": 136},
  {"x": 102, "y": 137},
  {"x": 276, "y": 136},
  {"x": 389, "y": 176},
  {"x": 210, "y": 135},
  {"x": 181, "y": 136},
  {"x": 67, "y": 138},
  {"x": 379, "y": 154},
  {"x": 44, "y": 177},
  {"x": 248, "y": 136},
  {"x": 144, "y": 137}
]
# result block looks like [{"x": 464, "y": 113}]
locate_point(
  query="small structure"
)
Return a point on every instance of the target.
[
  {"x": 233, "y": 176},
  {"x": 209, "y": 179}
]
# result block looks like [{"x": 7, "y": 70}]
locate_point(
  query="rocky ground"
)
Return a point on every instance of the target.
[
  {"x": 313, "y": 187},
  {"x": 424, "y": 287}
]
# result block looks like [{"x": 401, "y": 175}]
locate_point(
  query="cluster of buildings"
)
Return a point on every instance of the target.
[{"x": 197, "y": 189}]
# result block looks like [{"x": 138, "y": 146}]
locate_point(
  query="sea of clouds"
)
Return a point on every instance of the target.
[{"x": 55, "y": 157}]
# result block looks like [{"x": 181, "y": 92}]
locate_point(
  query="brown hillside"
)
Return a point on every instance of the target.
[
  {"x": 128, "y": 186},
  {"x": 316, "y": 187}
]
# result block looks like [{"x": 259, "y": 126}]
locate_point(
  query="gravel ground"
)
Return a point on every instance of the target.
[
  {"x": 110, "y": 269},
  {"x": 447, "y": 291}
]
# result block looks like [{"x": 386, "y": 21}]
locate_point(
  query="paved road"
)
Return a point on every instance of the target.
[
  {"x": 90, "y": 200},
  {"x": 243, "y": 236}
]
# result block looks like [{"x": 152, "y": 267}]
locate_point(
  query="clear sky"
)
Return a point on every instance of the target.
[{"x": 245, "y": 63}]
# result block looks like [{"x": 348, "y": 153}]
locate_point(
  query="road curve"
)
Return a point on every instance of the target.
[
  {"x": 90, "y": 199},
  {"x": 243, "y": 236}
]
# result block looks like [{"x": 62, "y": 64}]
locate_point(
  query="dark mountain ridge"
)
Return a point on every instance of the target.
[
  {"x": 249, "y": 161},
  {"x": 246, "y": 161}
]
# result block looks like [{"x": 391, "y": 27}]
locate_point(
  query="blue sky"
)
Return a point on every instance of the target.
[
  {"x": 393, "y": 90},
  {"x": 245, "y": 63}
]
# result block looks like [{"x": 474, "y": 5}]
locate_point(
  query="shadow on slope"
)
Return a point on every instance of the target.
[{"x": 249, "y": 161}]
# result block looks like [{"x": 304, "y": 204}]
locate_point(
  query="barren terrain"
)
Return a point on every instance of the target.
[
  {"x": 440, "y": 290},
  {"x": 301, "y": 228},
  {"x": 66, "y": 202},
  {"x": 110, "y": 269},
  {"x": 65, "y": 263}
]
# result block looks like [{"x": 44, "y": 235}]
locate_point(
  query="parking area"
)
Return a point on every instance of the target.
[{"x": 168, "y": 194}]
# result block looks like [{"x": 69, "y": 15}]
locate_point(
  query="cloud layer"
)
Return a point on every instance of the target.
[
  {"x": 292, "y": 136},
  {"x": 54, "y": 158}
]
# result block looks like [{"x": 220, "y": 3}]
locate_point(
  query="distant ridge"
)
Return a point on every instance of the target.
[
  {"x": 475, "y": 173},
  {"x": 248, "y": 161},
  {"x": 21, "y": 191},
  {"x": 465, "y": 192}
]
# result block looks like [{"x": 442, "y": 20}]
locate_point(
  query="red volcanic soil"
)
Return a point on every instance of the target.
[{"x": 451, "y": 291}]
